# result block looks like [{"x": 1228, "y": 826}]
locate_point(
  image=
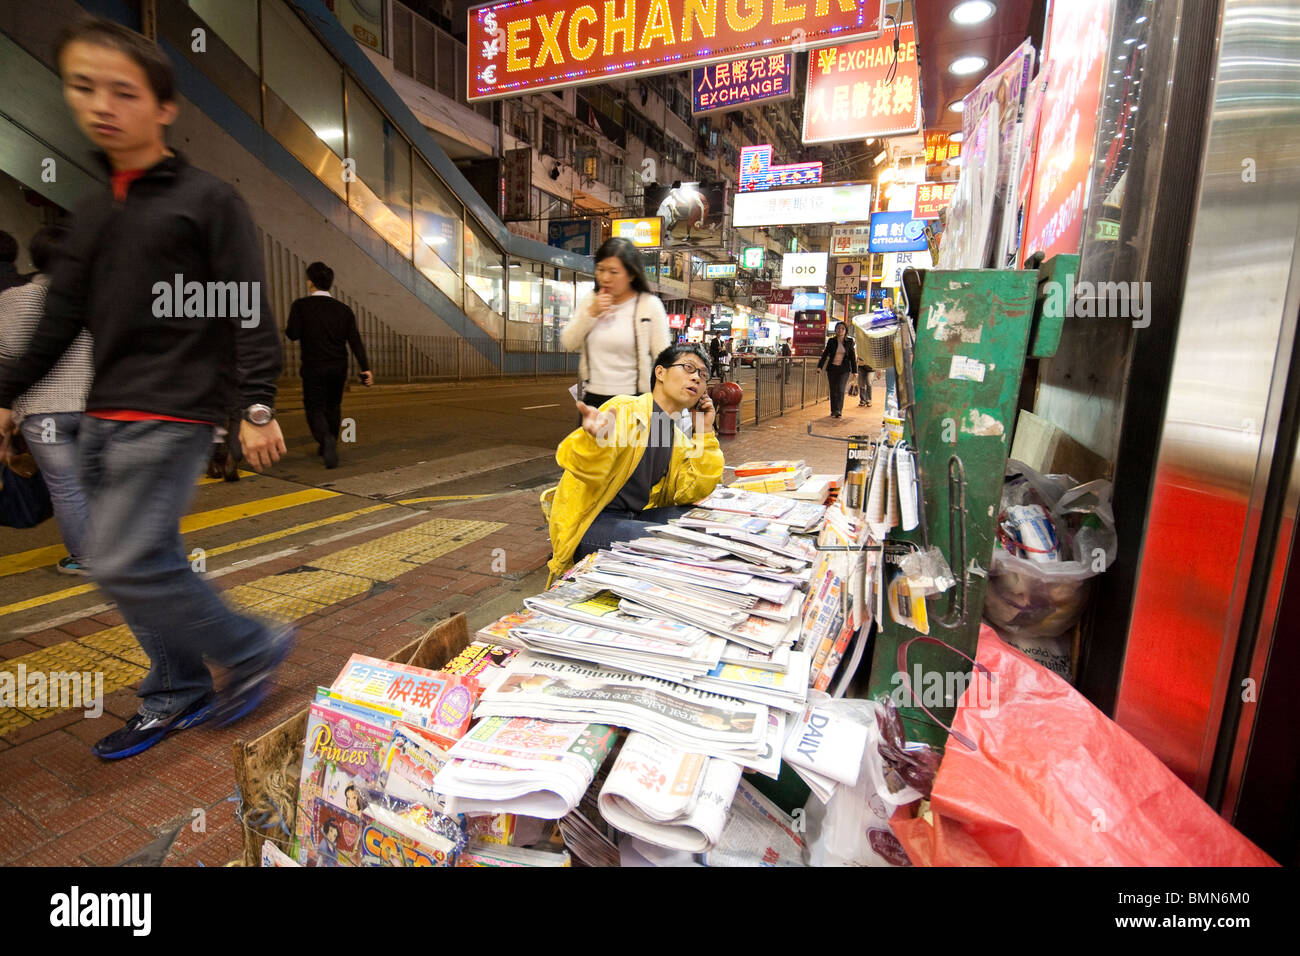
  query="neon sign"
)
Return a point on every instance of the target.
[{"x": 757, "y": 171}]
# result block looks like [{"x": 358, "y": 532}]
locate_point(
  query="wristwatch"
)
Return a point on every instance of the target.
[{"x": 259, "y": 414}]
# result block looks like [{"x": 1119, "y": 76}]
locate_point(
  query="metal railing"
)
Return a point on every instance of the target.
[{"x": 785, "y": 384}]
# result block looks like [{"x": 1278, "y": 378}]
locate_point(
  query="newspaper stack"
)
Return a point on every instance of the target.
[
  {"x": 534, "y": 767},
  {"x": 681, "y": 716},
  {"x": 668, "y": 797},
  {"x": 799, "y": 515}
]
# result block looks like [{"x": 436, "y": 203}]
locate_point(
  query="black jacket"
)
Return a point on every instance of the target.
[
  {"x": 326, "y": 327},
  {"x": 117, "y": 276},
  {"x": 850, "y": 363}
]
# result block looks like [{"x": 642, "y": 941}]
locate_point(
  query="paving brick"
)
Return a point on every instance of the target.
[
  {"x": 18, "y": 648},
  {"x": 213, "y": 793},
  {"x": 19, "y": 835},
  {"x": 83, "y": 627},
  {"x": 88, "y": 731},
  {"x": 42, "y": 792},
  {"x": 110, "y": 618},
  {"x": 48, "y": 637},
  {"x": 76, "y": 814},
  {"x": 69, "y": 848},
  {"x": 153, "y": 804},
  {"x": 122, "y": 704},
  {"x": 114, "y": 851},
  {"x": 218, "y": 850},
  {"x": 46, "y": 725},
  {"x": 66, "y": 756}
]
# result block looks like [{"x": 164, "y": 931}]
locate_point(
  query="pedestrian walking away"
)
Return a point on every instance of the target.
[
  {"x": 327, "y": 328},
  {"x": 618, "y": 329},
  {"x": 162, "y": 376},
  {"x": 49, "y": 413},
  {"x": 9, "y": 276},
  {"x": 840, "y": 362}
]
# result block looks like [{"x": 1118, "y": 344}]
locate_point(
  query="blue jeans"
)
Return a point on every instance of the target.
[
  {"x": 612, "y": 526},
  {"x": 139, "y": 479},
  {"x": 52, "y": 439}
]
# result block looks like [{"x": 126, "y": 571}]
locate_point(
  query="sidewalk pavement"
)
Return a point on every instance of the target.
[{"x": 371, "y": 593}]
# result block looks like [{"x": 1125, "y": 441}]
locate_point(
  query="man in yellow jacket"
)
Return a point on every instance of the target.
[{"x": 630, "y": 463}]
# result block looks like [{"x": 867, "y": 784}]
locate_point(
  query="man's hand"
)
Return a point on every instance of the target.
[
  {"x": 263, "y": 444},
  {"x": 703, "y": 415},
  {"x": 596, "y": 423},
  {"x": 7, "y": 426},
  {"x": 367, "y": 378}
]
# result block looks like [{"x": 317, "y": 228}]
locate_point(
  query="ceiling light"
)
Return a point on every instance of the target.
[
  {"x": 1130, "y": 40},
  {"x": 956, "y": 106},
  {"x": 966, "y": 65},
  {"x": 971, "y": 12},
  {"x": 1141, "y": 19},
  {"x": 957, "y": 137}
]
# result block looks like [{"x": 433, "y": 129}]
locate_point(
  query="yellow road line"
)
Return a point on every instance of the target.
[
  {"x": 55, "y": 596},
  {"x": 281, "y": 598},
  {"x": 416, "y": 501},
  {"x": 205, "y": 480},
  {"x": 43, "y": 557}
]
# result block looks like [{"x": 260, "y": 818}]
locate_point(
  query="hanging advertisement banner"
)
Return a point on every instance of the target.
[
  {"x": 757, "y": 171},
  {"x": 522, "y": 47},
  {"x": 645, "y": 233},
  {"x": 850, "y": 96},
  {"x": 1076, "y": 55},
  {"x": 931, "y": 199},
  {"x": 720, "y": 270},
  {"x": 940, "y": 151},
  {"x": 728, "y": 86},
  {"x": 897, "y": 232},
  {"x": 693, "y": 213},
  {"x": 575, "y": 235},
  {"x": 781, "y": 297},
  {"x": 848, "y": 202},
  {"x": 850, "y": 240},
  {"x": 517, "y": 169},
  {"x": 803, "y": 268}
]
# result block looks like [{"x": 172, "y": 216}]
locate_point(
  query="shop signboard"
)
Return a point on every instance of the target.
[
  {"x": 517, "y": 170},
  {"x": 897, "y": 232},
  {"x": 849, "y": 93},
  {"x": 804, "y": 301},
  {"x": 809, "y": 332},
  {"x": 760, "y": 287},
  {"x": 1076, "y": 56},
  {"x": 751, "y": 257},
  {"x": 850, "y": 240},
  {"x": 720, "y": 270},
  {"x": 517, "y": 47},
  {"x": 781, "y": 297},
  {"x": 940, "y": 151},
  {"x": 728, "y": 86},
  {"x": 693, "y": 212},
  {"x": 803, "y": 269},
  {"x": 676, "y": 321},
  {"x": 757, "y": 171},
  {"x": 931, "y": 198},
  {"x": 575, "y": 235},
  {"x": 896, "y": 262},
  {"x": 842, "y": 202},
  {"x": 848, "y": 277},
  {"x": 645, "y": 233}
]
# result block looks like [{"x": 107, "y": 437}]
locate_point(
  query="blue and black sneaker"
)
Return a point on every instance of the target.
[
  {"x": 249, "y": 687},
  {"x": 142, "y": 732}
]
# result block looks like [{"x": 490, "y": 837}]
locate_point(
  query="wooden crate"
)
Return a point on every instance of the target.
[{"x": 267, "y": 768}]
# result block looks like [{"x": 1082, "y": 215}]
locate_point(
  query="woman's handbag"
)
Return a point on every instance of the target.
[{"x": 24, "y": 502}]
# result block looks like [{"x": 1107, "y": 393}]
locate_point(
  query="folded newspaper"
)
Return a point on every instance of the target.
[
  {"x": 668, "y": 797},
  {"x": 537, "y": 768}
]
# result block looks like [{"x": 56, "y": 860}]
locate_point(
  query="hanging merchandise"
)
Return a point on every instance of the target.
[{"x": 971, "y": 222}]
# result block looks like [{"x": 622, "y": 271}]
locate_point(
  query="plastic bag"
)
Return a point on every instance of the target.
[
  {"x": 1043, "y": 599},
  {"x": 927, "y": 571},
  {"x": 1053, "y": 782},
  {"x": 853, "y": 828}
]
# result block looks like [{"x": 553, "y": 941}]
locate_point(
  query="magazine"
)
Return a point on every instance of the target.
[
  {"x": 493, "y": 854},
  {"x": 441, "y": 702},
  {"x": 747, "y": 503},
  {"x": 668, "y": 797},
  {"x": 706, "y": 520}
]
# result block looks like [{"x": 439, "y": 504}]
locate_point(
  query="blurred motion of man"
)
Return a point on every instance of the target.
[
  {"x": 9, "y": 276},
  {"x": 165, "y": 363},
  {"x": 327, "y": 328}
]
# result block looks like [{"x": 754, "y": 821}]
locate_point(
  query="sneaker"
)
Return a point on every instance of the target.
[
  {"x": 71, "y": 565},
  {"x": 245, "y": 692},
  {"x": 331, "y": 453},
  {"x": 141, "y": 732}
]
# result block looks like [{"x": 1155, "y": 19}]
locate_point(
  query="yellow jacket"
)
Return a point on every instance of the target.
[{"x": 596, "y": 470}]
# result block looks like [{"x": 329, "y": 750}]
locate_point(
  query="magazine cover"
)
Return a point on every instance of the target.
[{"x": 439, "y": 701}]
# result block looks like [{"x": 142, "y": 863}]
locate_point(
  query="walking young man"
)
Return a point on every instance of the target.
[
  {"x": 140, "y": 269},
  {"x": 326, "y": 328}
]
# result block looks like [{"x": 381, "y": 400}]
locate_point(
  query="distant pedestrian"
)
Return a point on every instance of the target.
[
  {"x": 326, "y": 328},
  {"x": 715, "y": 357},
  {"x": 49, "y": 413},
  {"x": 162, "y": 376},
  {"x": 9, "y": 276},
  {"x": 619, "y": 328},
  {"x": 840, "y": 362},
  {"x": 787, "y": 360}
]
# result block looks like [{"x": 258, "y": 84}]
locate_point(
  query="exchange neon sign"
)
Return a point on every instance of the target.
[
  {"x": 521, "y": 46},
  {"x": 757, "y": 171}
]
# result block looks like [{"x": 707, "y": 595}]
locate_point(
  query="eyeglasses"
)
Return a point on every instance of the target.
[{"x": 694, "y": 371}]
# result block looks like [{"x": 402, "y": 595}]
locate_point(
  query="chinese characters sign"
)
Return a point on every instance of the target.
[
  {"x": 757, "y": 171},
  {"x": 723, "y": 86},
  {"x": 1076, "y": 54},
  {"x": 848, "y": 97},
  {"x": 720, "y": 270},
  {"x": 931, "y": 198},
  {"x": 850, "y": 240},
  {"x": 522, "y": 46},
  {"x": 897, "y": 232},
  {"x": 940, "y": 151},
  {"x": 849, "y": 202}
]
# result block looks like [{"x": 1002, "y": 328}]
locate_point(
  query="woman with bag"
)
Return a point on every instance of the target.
[
  {"x": 840, "y": 362},
  {"x": 618, "y": 329},
  {"x": 48, "y": 414}
]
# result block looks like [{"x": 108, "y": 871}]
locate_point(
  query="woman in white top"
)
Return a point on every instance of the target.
[{"x": 619, "y": 328}]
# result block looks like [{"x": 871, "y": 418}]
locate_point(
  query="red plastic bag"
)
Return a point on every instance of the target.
[{"x": 1054, "y": 782}]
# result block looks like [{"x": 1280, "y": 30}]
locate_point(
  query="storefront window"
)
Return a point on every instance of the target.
[
  {"x": 525, "y": 304},
  {"x": 380, "y": 192},
  {"x": 235, "y": 21},
  {"x": 559, "y": 301},
  {"x": 438, "y": 232},
  {"x": 484, "y": 280}
]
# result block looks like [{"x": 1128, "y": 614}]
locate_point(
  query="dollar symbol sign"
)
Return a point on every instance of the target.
[{"x": 490, "y": 24}]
